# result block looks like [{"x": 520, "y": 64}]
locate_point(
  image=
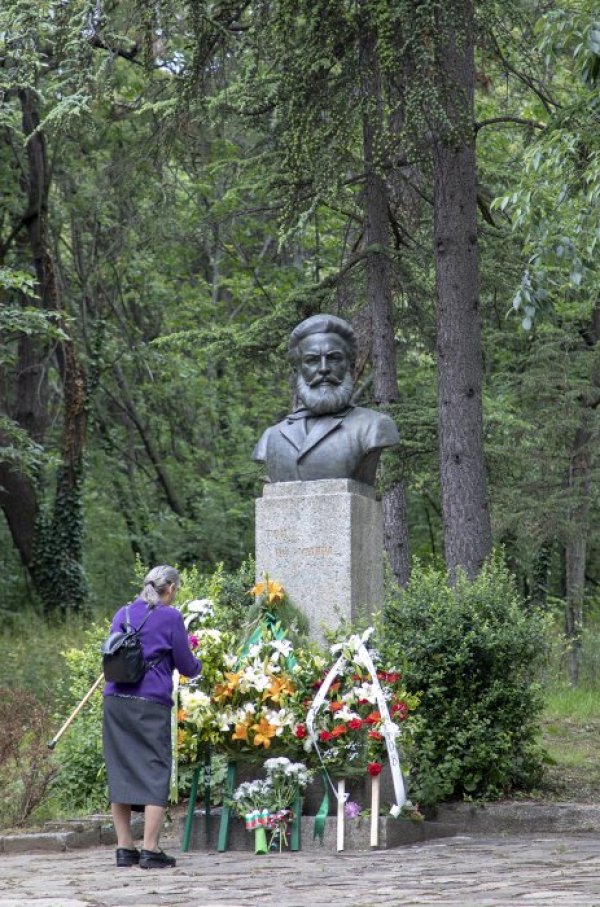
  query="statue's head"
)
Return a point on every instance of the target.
[{"x": 322, "y": 350}]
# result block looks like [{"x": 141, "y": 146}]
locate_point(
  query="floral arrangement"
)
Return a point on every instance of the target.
[
  {"x": 247, "y": 702},
  {"x": 253, "y": 701},
  {"x": 266, "y": 803},
  {"x": 349, "y": 724}
]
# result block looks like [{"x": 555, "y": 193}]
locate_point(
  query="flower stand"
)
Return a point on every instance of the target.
[{"x": 189, "y": 820}]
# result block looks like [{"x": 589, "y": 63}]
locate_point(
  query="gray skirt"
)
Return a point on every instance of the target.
[{"x": 136, "y": 736}]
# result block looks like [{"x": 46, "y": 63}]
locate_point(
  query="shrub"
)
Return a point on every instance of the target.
[
  {"x": 471, "y": 654},
  {"x": 81, "y": 781},
  {"x": 26, "y": 768}
]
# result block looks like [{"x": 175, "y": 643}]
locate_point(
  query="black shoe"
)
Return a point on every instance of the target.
[
  {"x": 127, "y": 856},
  {"x": 156, "y": 859}
]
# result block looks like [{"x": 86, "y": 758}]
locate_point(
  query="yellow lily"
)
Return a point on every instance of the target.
[
  {"x": 226, "y": 690},
  {"x": 279, "y": 686},
  {"x": 240, "y": 733},
  {"x": 274, "y": 590},
  {"x": 263, "y": 733}
]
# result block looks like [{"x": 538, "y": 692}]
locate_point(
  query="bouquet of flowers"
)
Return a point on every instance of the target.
[
  {"x": 266, "y": 804},
  {"x": 197, "y": 719},
  {"x": 247, "y": 704},
  {"x": 349, "y": 723}
]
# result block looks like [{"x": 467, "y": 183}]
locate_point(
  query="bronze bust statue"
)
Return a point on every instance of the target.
[{"x": 327, "y": 437}]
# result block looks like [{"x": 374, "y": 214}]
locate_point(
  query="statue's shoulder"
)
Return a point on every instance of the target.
[
  {"x": 379, "y": 428},
  {"x": 260, "y": 451}
]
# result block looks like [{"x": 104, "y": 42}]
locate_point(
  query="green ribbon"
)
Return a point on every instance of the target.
[
  {"x": 268, "y": 622},
  {"x": 319, "y": 827}
]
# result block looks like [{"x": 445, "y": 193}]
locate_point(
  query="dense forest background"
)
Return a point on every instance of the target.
[{"x": 182, "y": 182}]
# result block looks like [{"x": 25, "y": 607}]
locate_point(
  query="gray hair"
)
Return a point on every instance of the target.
[
  {"x": 322, "y": 324},
  {"x": 156, "y": 583}
]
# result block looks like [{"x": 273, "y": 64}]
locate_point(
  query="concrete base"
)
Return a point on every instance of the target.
[
  {"x": 392, "y": 833},
  {"x": 323, "y": 541}
]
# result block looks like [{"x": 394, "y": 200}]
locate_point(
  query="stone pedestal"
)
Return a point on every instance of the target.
[{"x": 323, "y": 541}]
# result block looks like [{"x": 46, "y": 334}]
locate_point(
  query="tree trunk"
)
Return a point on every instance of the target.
[
  {"x": 576, "y": 549},
  {"x": 379, "y": 295},
  {"x": 580, "y": 488},
  {"x": 50, "y": 546},
  {"x": 466, "y": 519}
]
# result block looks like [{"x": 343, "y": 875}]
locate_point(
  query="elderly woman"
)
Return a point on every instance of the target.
[{"x": 137, "y": 719}]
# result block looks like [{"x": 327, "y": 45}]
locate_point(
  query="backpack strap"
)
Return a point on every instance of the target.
[
  {"x": 157, "y": 658},
  {"x": 130, "y": 626}
]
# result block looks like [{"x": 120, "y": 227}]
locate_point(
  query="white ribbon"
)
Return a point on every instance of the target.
[{"x": 388, "y": 729}]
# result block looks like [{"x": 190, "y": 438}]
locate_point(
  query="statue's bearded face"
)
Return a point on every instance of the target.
[{"x": 324, "y": 381}]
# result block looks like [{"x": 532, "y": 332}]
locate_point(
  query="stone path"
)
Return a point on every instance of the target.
[{"x": 464, "y": 871}]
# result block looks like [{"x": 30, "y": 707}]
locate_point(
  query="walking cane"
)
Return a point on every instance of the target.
[{"x": 52, "y": 743}]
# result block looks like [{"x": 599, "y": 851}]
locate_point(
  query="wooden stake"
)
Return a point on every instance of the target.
[
  {"x": 341, "y": 814},
  {"x": 375, "y": 811}
]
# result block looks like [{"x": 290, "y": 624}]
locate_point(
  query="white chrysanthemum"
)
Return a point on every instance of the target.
[
  {"x": 346, "y": 714},
  {"x": 210, "y": 634},
  {"x": 194, "y": 699},
  {"x": 201, "y": 606},
  {"x": 366, "y": 691}
]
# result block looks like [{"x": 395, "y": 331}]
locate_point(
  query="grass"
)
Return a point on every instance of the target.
[
  {"x": 571, "y": 736},
  {"x": 32, "y": 647}
]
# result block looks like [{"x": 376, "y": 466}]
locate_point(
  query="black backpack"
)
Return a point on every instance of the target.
[{"x": 122, "y": 654}]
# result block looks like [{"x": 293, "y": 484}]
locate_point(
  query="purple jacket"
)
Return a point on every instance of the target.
[{"x": 164, "y": 631}]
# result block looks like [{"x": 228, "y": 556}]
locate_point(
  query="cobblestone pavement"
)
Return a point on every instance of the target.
[{"x": 545, "y": 871}]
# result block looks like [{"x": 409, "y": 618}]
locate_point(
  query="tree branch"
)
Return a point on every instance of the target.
[{"x": 521, "y": 121}]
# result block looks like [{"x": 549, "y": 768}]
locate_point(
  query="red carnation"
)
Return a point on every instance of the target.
[
  {"x": 374, "y": 735},
  {"x": 355, "y": 724},
  {"x": 400, "y": 709},
  {"x": 393, "y": 677},
  {"x": 300, "y": 731},
  {"x": 325, "y": 736},
  {"x": 374, "y": 769},
  {"x": 373, "y": 718}
]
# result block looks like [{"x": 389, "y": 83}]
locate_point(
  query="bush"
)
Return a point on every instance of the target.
[
  {"x": 472, "y": 654},
  {"x": 80, "y": 785},
  {"x": 26, "y": 768}
]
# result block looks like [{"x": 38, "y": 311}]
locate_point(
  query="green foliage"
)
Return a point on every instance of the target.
[
  {"x": 472, "y": 655},
  {"x": 80, "y": 784},
  {"x": 32, "y": 646}
]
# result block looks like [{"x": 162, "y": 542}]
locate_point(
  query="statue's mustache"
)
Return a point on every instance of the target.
[{"x": 328, "y": 379}]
